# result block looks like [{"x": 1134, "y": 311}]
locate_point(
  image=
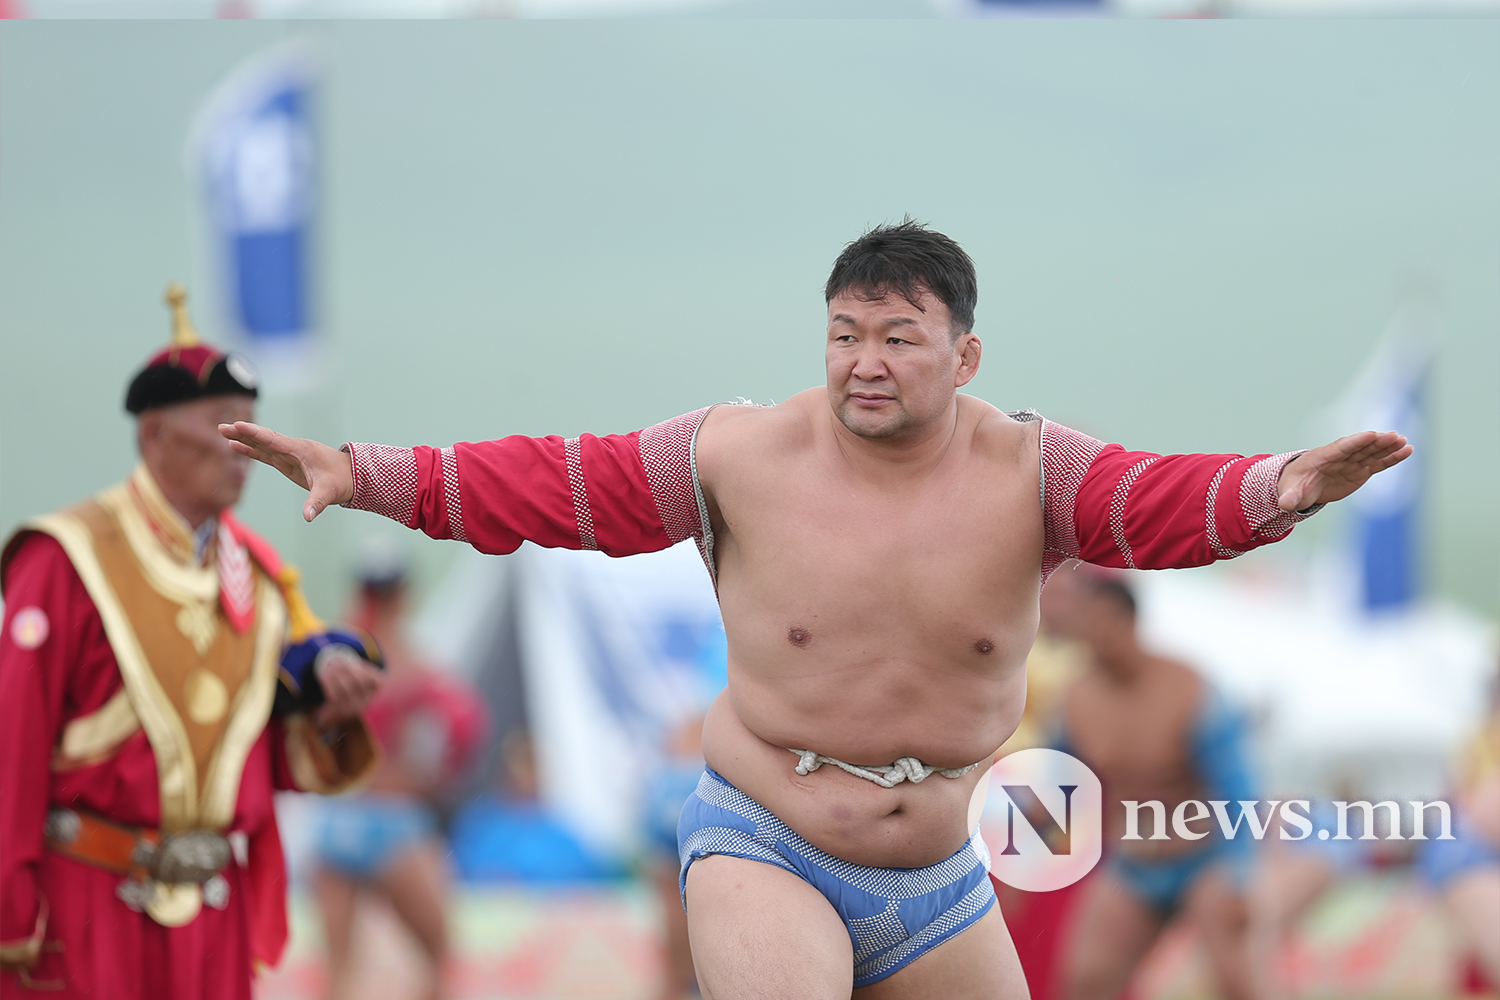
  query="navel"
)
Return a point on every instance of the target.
[
  {"x": 984, "y": 647},
  {"x": 798, "y": 636}
]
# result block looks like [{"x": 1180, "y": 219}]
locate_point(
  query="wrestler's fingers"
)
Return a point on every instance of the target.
[
  {"x": 267, "y": 447},
  {"x": 1377, "y": 447},
  {"x": 319, "y": 499},
  {"x": 247, "y": 433},
  {"x": 1294, "y": 499},
  {"x": 1398, "y": 456},
  {"x": 1374, "y": 458}
]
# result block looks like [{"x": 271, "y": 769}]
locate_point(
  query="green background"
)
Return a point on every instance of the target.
[{"x": 1188, "y": 235}]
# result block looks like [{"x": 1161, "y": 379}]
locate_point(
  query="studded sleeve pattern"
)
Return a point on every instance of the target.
[
  {"x": 1138, "y": 510},
  {"x": 619, "y": 493}
]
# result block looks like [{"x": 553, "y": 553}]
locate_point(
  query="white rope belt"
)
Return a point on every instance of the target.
[{"x": 905, "y": 769}]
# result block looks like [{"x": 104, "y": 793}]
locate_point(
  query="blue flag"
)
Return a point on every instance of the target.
[
  {"x": 255, "y": 144},
  {"x": 1387, "y": 508}
]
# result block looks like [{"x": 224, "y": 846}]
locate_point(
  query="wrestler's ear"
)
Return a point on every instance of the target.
[{"x": 967, "y": 351}]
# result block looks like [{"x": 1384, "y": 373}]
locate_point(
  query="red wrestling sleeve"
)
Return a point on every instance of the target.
[
  {"x": 1137, "y": 510},
  {"x": 620, "y": 493}
]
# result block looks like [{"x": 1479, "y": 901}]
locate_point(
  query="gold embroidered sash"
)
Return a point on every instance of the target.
[{"x": 201, "y": 691}]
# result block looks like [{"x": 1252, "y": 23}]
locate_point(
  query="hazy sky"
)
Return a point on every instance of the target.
[{"x": 1188, "y": 235}]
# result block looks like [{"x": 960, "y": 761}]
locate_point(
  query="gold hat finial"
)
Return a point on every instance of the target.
[{"x": 183, "y": 334}]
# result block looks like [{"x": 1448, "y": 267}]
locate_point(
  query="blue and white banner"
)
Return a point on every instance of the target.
[
  {"x": 616, "y": 653},
  {"x": 1390, "y": 394},
  {"x": 254, "y": 145}
]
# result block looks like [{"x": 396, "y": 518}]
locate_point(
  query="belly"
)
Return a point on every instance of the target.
[
  {"x": 868, "y": 639},
  {"x": 907, "y": 826}
]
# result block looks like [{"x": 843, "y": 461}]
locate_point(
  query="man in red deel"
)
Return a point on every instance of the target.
[{"x": 160, "y": 676}]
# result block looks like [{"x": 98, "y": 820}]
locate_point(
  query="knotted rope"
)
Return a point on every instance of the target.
[{"x": 905, "y": 769}]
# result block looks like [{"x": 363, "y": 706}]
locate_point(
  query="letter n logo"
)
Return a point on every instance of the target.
[
  {"x": 1057, "y": 836},
  {"x": 1045, "y": 815}
]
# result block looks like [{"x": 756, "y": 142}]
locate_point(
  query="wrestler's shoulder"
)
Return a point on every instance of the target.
[
  {"x": 783, "y": 424},
  {"x": 996, "y": 433},
  {"x": 1179, "y": 677}
]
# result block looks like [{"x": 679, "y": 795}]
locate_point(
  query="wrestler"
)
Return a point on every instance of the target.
[
  {"x": 387, "y": 840},
  {"x": 1153, "y": 730},
  {"x": 878, "y": 546},
  {"x": 140, "y": 655},
  {"x": 1465, "y": 871}
]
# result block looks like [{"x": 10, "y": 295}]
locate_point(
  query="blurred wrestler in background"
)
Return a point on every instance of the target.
[
  {"x": 142, "y": 725},
  {"x": 668, "y": 788},
  {"x": 1152, "y": 729},
  {"x": 671, "y": 783},
  {"x": 388, "y": 840},
  {"x": 1465, "y": 871}
]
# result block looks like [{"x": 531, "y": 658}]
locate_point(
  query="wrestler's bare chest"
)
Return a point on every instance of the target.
[
  {"x": 869, "y": 619},
  {"x": 878, "y": 617}
]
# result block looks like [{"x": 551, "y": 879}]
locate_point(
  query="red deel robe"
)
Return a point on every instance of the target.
[{"x": 93, "y": 945}]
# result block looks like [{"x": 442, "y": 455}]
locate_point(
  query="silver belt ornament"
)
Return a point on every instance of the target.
[{"x": 182, "y": 872}]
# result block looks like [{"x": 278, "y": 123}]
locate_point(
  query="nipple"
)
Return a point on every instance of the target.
[{"x": 798, "y": 636}]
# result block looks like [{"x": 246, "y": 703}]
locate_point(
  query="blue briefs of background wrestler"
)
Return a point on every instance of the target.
[
  {"x": 666, "y": 791},
  {"x": 1162, "y": 883},
  {"x": 894, "y": 915},
  {"x": 1439, "y": 862},
  {"x": 299, "y": 689},
  {"x": 361, "y": 836}
]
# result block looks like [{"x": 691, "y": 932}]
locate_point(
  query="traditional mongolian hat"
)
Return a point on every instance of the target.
[{"x": 187, "y": 368}]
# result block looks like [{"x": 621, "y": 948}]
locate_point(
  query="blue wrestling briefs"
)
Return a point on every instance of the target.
[
  {"x": 1162, "y": 883},
  {"x": 894, "y": 915},
  {"x": 361, "y": 835}
]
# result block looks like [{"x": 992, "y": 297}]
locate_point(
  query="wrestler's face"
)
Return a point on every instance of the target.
[
  {"x": 894, "y": 367},
  {"x": 1102, "y": 622},
  {"x": 197, "y": 470},
  {"x": 1059, "y": 604}
]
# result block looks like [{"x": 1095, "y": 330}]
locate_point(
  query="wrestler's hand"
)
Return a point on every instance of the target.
[
  {"x": 326, "y": 473},
  {"x": 1336, "y": 470},
  {"x": 348, "y": 684}
]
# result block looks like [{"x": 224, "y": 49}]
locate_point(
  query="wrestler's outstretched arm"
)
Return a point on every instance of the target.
[
  {"x": 618, "y": 493},
  {"x": 1140, "y": 510}
]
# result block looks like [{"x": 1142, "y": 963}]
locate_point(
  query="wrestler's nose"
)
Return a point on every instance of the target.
[{"x": 869, "y": 366}]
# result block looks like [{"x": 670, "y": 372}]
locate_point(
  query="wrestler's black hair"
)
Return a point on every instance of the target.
[
  {"x": 1117, "y": 591},
  {"x": 907, "y": 259}
]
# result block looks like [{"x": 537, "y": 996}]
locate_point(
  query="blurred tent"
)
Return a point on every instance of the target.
[
  {"x": 600, "y": 658},
  {"x": 1343, "y": 703}
]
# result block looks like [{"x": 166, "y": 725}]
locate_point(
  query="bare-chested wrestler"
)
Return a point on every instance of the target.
[
  {"x": 1153, "y": 730},
  {"x": 878, "y": 546}
]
